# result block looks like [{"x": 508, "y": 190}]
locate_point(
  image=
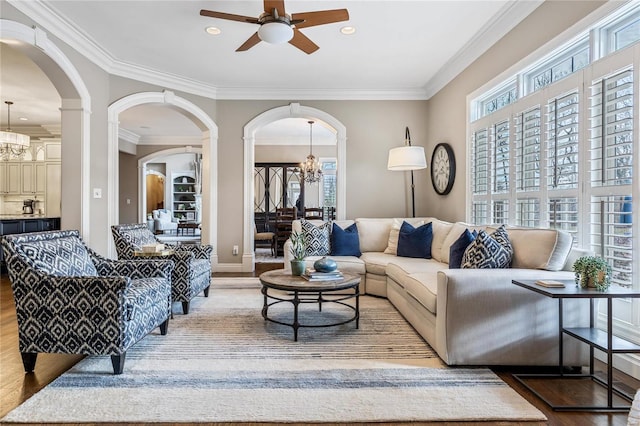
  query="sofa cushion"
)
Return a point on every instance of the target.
[
  {"x": 345, "y": 242},
  {"x": 423, "y": 285},
  {"x": 441, "y": 230},
  {"x": 376, "y": 262},
  {"x": 317, "y": 239},
  {"x": 374, "y": 234},
  {"x": 457, "y": 249},
  {"x": 392, "y": 244},
  {"x": 485, "y": 252},
  {"x": 535, "y": 248},
  {"x": 415, "y": 242}
]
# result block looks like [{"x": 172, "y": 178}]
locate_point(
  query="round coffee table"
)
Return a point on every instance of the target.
[{"x": 300, "y": 290}]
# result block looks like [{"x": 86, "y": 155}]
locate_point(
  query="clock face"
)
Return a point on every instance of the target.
[{"x": 443, "y": 168}]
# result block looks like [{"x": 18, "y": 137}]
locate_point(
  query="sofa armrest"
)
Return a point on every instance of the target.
[{"x": 481, "y": 308}]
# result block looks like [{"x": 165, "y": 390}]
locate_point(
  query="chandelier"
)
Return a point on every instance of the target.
[
  {"x": 12, "y": 143},
  {"x": 310, "y": 169}
]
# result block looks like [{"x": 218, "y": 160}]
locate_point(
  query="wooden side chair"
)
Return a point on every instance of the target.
[
  {"x": 261, "y": 237},
  {"x": 314, "y": 213}
]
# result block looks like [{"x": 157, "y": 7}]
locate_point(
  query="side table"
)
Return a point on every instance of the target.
[{"x": 592, "y": 336}]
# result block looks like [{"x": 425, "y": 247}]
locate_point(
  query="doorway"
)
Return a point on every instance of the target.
[
  {"x": 155, "y": 188},
  {"x": 293, "y": 110}
]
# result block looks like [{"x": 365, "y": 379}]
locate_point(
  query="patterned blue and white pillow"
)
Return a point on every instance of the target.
[
  {"x": 502, "y": 237},
  {"x": 317, "y": 239},
  {"x": 486, "y": 252}
]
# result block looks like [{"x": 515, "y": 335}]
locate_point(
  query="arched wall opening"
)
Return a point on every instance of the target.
[
  {"x": 75, "y": 118},
  {"x": 293, "y": 110},
  {"x": 209, "y": 159}
]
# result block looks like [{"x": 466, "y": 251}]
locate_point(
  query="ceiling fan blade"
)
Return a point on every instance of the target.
[
  {"x": 269, "y": 5},
  {"x": 228, "y": 16},
  {"x": 303, "y": 42},
  {"x": 252, "y": 41},
  {"x": 320, "y": 17}
]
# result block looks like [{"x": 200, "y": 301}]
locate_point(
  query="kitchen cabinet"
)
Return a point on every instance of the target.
[
  {"x": 10, "y": 178},
  {"x": 33, "y": 178}
]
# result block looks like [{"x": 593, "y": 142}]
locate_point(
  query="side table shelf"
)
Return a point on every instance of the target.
[{"x": 604, "y": 341}]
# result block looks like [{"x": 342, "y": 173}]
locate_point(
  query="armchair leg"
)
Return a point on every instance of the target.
[
  {"x": 164, "y": 327},
  {"x": 118, "y": 363},
  {"x": 29, "y": 361},
  {"x": 206, "y": 291},
  {"x": 185, "y": 308}
]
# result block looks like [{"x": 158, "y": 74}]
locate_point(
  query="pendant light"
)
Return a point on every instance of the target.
[
  {"x": 310, "y": 169},
  {"x": 12, "y": 143}
]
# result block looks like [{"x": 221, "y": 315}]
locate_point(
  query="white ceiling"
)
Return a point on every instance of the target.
[{"x": 401, "y": 50}]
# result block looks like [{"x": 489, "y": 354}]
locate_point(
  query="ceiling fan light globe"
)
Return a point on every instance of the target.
[{"x": 275, "y": 32}]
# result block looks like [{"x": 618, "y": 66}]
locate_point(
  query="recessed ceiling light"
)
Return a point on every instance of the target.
[
  {"x": 213, "y": 30},
  {"x": 23, "y": 119},
  {"x": 348, "y": 30}
]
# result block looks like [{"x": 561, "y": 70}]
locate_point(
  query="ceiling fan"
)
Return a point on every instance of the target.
[{"x": 277, "y": 27}]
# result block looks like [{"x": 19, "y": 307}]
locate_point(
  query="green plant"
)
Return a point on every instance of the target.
[
  {"x": 298, "y": 249},
  {"x": 592, "y": 269}
]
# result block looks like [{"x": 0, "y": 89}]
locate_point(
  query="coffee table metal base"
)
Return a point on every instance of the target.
[{"x": 297, "y": 297}]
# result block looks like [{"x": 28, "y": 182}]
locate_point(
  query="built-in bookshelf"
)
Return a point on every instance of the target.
[{"x": 183, "y": 192}]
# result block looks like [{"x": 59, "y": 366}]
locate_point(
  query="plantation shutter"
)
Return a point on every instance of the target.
[{"x": 612, "y": 129}]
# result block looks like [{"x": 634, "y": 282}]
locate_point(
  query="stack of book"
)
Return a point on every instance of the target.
[{"x": 313, "y": 275}]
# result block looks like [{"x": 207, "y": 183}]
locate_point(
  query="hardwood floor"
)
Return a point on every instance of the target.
[{"x": 16, "y": 386}]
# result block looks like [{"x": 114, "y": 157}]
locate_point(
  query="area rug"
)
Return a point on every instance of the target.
[{"x": 224, "y": 363}]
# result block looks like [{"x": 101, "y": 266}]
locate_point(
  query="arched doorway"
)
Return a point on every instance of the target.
[
  {"x": 293, "y": 110},
  {"x": 75, "y": 118},
  {"x": 209, "y": 157}
]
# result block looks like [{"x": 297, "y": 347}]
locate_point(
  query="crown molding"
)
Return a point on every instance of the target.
[
  {"x": 321, "y": 94},
  {"x": 510, "y": 15},
  {"x": 504, "y": 21},
  {"x": 128, "y": 136},
  {"x": 171, "y": 140}
]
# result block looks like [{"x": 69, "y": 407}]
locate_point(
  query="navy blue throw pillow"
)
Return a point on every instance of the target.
[
  {"x": 415, "y": 242},
  {"x": 459, "y": 246},
  {"x": 345, "y": 242}
]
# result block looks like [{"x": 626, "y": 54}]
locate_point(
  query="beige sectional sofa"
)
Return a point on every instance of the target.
[{"x": 470, "y": 316}]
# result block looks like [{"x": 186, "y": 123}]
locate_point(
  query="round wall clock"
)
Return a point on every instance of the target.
[{"x": 443, "y": 168}]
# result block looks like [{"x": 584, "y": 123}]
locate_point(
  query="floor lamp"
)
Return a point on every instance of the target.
[{"x": 405, "y": 158}]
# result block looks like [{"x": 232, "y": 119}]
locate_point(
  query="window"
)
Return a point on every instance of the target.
[
  {"x": 328, "y": 182},
  {"x": 563, "y": 156}
]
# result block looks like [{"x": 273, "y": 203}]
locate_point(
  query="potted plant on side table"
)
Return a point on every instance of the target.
[
  {"x": 298, "y": 252},
  {"x": 592, "y": 271}
]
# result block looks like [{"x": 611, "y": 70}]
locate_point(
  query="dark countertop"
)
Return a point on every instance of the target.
[{"x": 24, "y": 216}]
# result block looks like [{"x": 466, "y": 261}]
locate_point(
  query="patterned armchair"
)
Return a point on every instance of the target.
[
  {"x": 71, "y": 300},
  {"x": 192, "y": 272}
]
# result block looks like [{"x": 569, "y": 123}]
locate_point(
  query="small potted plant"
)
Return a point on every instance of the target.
[
  {"x": 592, "y": 271},
  {"x": 298, "y": 252}
]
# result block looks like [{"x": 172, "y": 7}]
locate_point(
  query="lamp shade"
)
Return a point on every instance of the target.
[
  {"x": 407, "y": 158},
  {"x": 275, "y": 32}
]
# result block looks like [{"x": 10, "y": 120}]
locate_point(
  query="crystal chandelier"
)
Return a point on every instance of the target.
[
  {"x": 310, "y": 169},
  {"x": 12, "y": 143}
]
